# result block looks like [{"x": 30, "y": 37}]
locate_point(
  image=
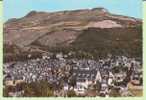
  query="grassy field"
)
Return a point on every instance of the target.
[{"x": 137, "y": 91}]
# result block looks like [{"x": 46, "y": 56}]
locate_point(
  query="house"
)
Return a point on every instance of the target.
[
  {"x": 59, "y": 56},
  {"x": 104, "y": 88},
  {"x": 16, "y": 94},
  {"x": 81, "y": 86},
  {"x": 66, "y": 87},
  {"x": 84, "y": 78},
  {"x": 98, "y": 76},
  {"x": 119, "y": 77},
  {"x": 136, "y": 78},
  {"x": 111, "y": 78}
]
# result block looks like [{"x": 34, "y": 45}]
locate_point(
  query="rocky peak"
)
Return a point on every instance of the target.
[
  {"x": 32, "y": 13},
  {"x": 100, "y": 9}
]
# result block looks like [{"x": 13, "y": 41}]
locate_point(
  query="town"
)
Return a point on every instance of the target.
[{"x": 106, "y": 77}]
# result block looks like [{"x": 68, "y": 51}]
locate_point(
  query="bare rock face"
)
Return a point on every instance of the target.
[
  {"x": 64, "y": 28},
  {"x": 104, "y": 24}
]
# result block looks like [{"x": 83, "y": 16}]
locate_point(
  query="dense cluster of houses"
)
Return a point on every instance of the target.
[{"x": 77, "y": 75}]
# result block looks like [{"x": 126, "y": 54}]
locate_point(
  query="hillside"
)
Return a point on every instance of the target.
[{"x": 95, "y": 31}]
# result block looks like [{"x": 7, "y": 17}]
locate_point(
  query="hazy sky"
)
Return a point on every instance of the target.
[{"x": 19, "y": 8}]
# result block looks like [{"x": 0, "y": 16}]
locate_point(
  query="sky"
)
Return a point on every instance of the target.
[{"x": 19, "y": 8}]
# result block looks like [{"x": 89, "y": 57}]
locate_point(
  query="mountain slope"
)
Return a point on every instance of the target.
[{"x": 85, "y": 29}]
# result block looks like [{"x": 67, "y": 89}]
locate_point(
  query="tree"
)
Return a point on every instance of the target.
[
  {"x": 98, "y": 86},
  {"x": 5, "y": 92},
  {"x": 38, "y": 89},
  {"x": 72, "y": 81},
  {"x": 71, "y": 93},
  {"x": 114, "y": 93}
]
